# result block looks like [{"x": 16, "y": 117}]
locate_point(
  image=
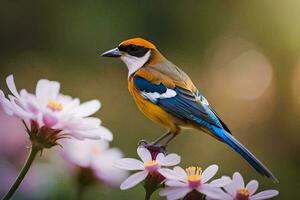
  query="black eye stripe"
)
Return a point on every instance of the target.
[
  {"x": 122, "y": 48},
  {"x": 133, "y": 47},
  {"x": 134, "y": 50}
]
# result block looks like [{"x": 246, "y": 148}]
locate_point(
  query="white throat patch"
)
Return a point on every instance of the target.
[{"x": 134, "y": 63}]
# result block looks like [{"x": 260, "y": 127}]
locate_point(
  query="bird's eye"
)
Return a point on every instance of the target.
[{"x": 133, "y": 48}]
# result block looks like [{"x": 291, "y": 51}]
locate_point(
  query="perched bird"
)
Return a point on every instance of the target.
[{"x": 166, "y": 95}]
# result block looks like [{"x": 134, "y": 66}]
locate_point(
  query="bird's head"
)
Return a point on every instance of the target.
[{"x": 134, "y": 53}]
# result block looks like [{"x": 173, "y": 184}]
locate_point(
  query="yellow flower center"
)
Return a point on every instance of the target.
[
  {"x": 150, "y": 163},
  {"x": 151, "y": 166},
  {"x": 55, "y": 106},
  {"x": 194, "y": 173},
  {"x": 244, "y": 192}
]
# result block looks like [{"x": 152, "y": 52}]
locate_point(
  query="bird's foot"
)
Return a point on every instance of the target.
[{"x": 152, "y": 146}]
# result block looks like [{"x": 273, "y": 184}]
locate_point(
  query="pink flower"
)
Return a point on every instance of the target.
[
  {"x": 53, "y": 113},
  {"x": 180, "y": 182},
  {"x": 236, "y": 190},
  {"x": 148, "y": 166}
]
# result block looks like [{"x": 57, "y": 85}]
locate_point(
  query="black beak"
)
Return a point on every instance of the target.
[{"x": 112, "y": 53}]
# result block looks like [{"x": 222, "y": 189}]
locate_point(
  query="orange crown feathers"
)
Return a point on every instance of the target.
[{"x": 138, "y": 42}]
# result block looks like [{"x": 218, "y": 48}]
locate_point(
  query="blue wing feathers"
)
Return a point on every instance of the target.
[
  {"x": 146, "y": 86},
  {"x": 183, "y": 105},
  {"x": 189, "y": 109}
]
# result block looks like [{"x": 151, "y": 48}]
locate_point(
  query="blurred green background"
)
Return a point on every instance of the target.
[{"x": 243, "y": 55}]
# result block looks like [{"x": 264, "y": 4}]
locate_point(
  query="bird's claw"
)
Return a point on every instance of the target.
[{"x": 152, "y": 146}]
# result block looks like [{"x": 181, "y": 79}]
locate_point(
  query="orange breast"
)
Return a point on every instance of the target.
[{"x": 151, "y": 110}]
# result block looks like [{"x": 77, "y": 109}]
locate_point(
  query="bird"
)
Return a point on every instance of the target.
[{"x": 166, "y": 95}]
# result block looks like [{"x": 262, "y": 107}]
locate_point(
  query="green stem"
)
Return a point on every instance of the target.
[
  {"x": 14, "y": 187},
  {"x": 80, "y": 192},
  {"x": 148, "y": 195}
]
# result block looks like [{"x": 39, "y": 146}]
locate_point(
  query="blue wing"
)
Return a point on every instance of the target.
[
  {"x": 179, "y": 102},
  {"x": 185, "y": 105}
]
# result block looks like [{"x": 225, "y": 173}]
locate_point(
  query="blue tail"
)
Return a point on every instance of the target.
[{"x": 244, "y": 152}]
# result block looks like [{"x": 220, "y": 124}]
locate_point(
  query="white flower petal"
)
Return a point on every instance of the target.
[
  {"x": 252, "y": 186},
  {"x": 89, "y": 123},
  {"x": 32, "y": 104},
  {"x": 171, "y": 160},
  {"x": 98, "y": 133},
  {"x": 17, "y": 110},
  {"x": 73, "y": 104},
  {"x": 92, "y": 121},
  {"x": 213, "y": 192},
  {"x": 78, "y": 136},
  {"x": 105, "y": 133},
  {"x": 230, "y": 188},
  {"x": 238, "y": 180},
  {"x": 129, "y": 164},
  {"x": 267, "y": 194},
  {"x": 88, "y": 108},
  {"x": 11, "y": 85},
  {"x": 160, "y": 158},
  {"x": 42, "y": 91},
  {"x": 175, "y": 183},
  {"x": 144, "y": 154},
  {"x": 133, "y": 180},
  {"x": 54, "y": 87},
  {"x": 209, "y": 173},
  {"x": 169, "y": 174},
  {"x": 179, "y": 193},
  {"x": 47, "y": 90},
  {"x": 220, "y": 182},
  {"x": 175, "y": 193},
  {"x": 180, "y": 172}
]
